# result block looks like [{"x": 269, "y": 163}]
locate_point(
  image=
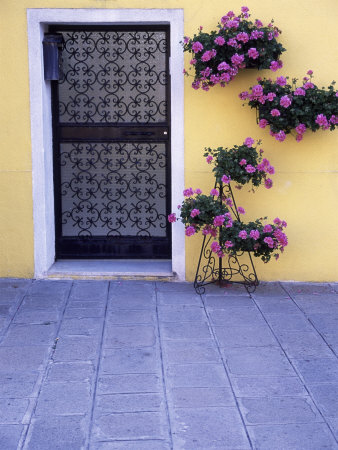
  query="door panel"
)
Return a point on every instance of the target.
[{"x": 112, "y": 143}]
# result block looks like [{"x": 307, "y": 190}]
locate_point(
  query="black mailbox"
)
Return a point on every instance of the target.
[{"x": 52, "y": 46}]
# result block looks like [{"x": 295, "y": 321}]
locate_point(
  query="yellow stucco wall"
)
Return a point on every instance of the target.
[{"x": 305, "y": 185}]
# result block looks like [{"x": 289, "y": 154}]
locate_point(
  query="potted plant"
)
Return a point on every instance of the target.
[
  {"x": 237, "y": 43},
  {"x": 288, "y": 108}
]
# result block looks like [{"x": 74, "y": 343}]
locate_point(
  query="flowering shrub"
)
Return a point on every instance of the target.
[
  {"x": 241, "y": 163},
  {"x": 237, "y": 43},
  {"x": 287, "y": 108},
  {"x": 262, "y": 240}
]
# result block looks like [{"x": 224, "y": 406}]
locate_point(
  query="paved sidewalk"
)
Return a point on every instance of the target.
[{"x": 144, "y": 365}]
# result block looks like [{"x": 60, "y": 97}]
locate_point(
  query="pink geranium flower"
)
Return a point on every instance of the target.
[
  {"x": 268, "y": 183},
  {"x": 281, "y": 81},
  {"x": 269, "y": 241},
  {"x": 172, "y": 218},
  {"x": 254, "y": 234},
  {"x": 226, "y": 179},
  {"x": 219, "y": 40},
  {"x": 197, "y": 47},
  {"x": 189, "y": 231},
  {"x": 195, "y": 212},
  {"x": 188, "y": 192},
  {"x": 198, "y": 191},
  {"x": 215, "y": 247},
  {"x": 218, "y": 221},
  {"x": 209, "y": 158},
  {"x": 250, "y": 169},
  {"x": 263, "y": 123},
  {"x": 241, "y": 210},
  {"x": 299, "y": 91},
  {"x": 214, "y": 192},
  {"x": 285, "y": 101},
  {"x": 301, "y": 128},
  {"x": 267, "y": 229},
  {"x": 242, "y": 162},
  {"x": 253, "y": 53},
  {"x": 249, "y": 142},
  {"x": 228, "y": 244},
  {"x": 275, "y": 112},
  {"x": 243, "y": 234}
]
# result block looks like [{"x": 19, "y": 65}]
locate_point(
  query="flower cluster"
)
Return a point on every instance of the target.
[
  {"x": 241, "y": 163},
  {"x": 287, "y": 108},
  {"x": 237, "y": 43}
]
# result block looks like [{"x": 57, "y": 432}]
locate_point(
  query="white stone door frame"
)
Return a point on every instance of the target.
[{"x": 38, "y": 21}]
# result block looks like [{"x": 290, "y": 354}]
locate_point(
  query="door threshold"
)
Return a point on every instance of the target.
[{"x": 149, "y": 269}]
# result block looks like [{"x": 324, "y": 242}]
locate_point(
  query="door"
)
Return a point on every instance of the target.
[{"x": 111, "y": 131}]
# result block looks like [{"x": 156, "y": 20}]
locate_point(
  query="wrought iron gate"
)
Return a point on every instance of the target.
[{"x": 111, "y": 123}]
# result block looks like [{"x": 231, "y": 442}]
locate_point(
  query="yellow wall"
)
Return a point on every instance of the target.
[{"x": 305, "y": 185}]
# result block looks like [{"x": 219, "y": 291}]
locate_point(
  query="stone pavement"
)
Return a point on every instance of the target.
[{"x": 144, "y": 365}]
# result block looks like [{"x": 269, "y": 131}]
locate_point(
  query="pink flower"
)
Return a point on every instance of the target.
[
  {"x": 250, "y": 169},
  {"x": 268, "y": 183},
  {"x": 258, "y": 23},
  {"x": 244, "y": 9},
  {"x": 193, "y": 61},
  {"x": 333, "y": 119},
  {"x": 299, "y": 137},
  {"x": 308, "y": 85},
  {"x": 243, "y": 234},
  {"x": 267, "y": 229},
  {"x": 256, "y": 34},
  {"x": 257, "y": 91},
  {"x": 301, "y": 128},
  {"x": 209, "y": 54},
  {"x": 281, "y": 238},
  {"x": 188, "y": 192},
  {"x": 196, "y": 84},
  {"x": 214, "y": 192},
  {"x": 228, "y": 244},
  {"x": 242, "y": 162},
  {"x": 249, "y": 141},
  {"x": 172, "y": 218},
  {"x": 179, "y": 206},
  {"x": 277, "y": 221},
  {"x": 226, "y": 179},
  {"x": 243, "y": 95},
  {"x": 197, "y": 47},
  {"x": 270, "y": 170},
  {"x": 270, "y": 96},
  {"x": 219, "y": 40},
  {"x": 232, "y": 43},
  {"x": 223, "y": 66},
  {"x": 195, "y": 212},
  {"x": 209, "y": 158},
  {"x": 274, "y": 66},
  {"x": 269, "y": 241},
  {"x": 186, "y": 39},
  {"x": 299, "y": 91},
  {"x": 244, "y": 37},
  {"x": 275, "y": 112},
  {"x": 189, "y": 231},
  {"x": 263, "y": 123},
  {"x": 253, "y": 53},
  {"x": 322, "y": 120},
  {"x": 215, "y": 247},
  {"x": 218, "y": 221},
  {"x": 254, "y": 234},
  {"x": 280, "y": 136},
  {"x": 285, "y": 101},
  {"x": 228, "y": 202},
  {"x": 276, "y": 255},
  {"x": 241, "y": 210},
  {"x": 309, "y": 72},
  {"x": 237, "y": 59},
  {"x": 281, "y": 81},
  {"x": 198, "y": 191}
]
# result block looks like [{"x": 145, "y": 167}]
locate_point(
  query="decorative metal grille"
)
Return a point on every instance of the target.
[
  {"x": 113, "y": 189},
  {"x": 113, "y": 77}
]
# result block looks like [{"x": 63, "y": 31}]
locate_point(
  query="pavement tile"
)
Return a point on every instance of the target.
[
  {"x": 181, "y": 313},
  {"x": 317, "y": 370},
  {"x": 295, "y": 289},
  {"x": 185, "y": 330},
  {"x": 14, "y": 283},
  {"x": 178, "y": 352},
  {"x": 269, "y": 289},
  {"x": 140, "y": 425},
  {"x": 90, "y": 290},
  {"x": 324, "y": 303},
  {"x": 63, "y": 399},
  {"x": 12, "y": 410},
  {"x": 131, "y": 445},
  {"x": 10, "y": 436},
  {"x": 169, "y": 286},
  {"x": 76, "y": 348},
  {"x": 21, "y": 334},
  {"x": 128, "y": 383},
  {"x": 129, "y": 301},
  {"x": 189, "y": 397},
  {"x": 84, "y": 327},
  {"x": 197, "y": 375},
  {"x": 249, "y": 336},
  {"x": 236, "y": 317},
  {"x": 300, "y": 436},
  {"x": 209, "y": 428},
  {"x": 45, "y": 302},
  {"x": 17, "y": 384},
  {"x": 61, "y": 433},
  {"x": 179, "y": 298},
  {"x": 267, "y": 386},
  {"x": 81, "y": 313},
  {"x": 120, "y": 403},
  {"x": 71, "y": 371},
  {"x": 279, "y": 410},
  {"x": 130, "y": 317},
  {"x": 228, "y": 289},
  {"x": 129, "y": 336},
  {"x": 300, "y": 345},
  {"x": 131, "y": 287},
  {"x": 249, "y": 361},
  {"x": 332, "y": 340},
  {"x": 23, "y": 358},
  {"x": 7, "y": 309},
  {"x": 288, "y": 322},
  {"x": 275, "y": 305},
  {"x": 10, "y": 295},
  {"x": 36, "y": 316},
  {"x": 333, "y": 422},
  {"x": 325, "y": 396},
  {"x": 52, "y": 288},
  {"x": 227, "y": 301},
  {"x": 325, "y": 323},
  {"x": 130, "y": 360}
]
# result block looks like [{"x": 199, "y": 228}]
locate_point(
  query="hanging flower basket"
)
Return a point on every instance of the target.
[
  {"x": 287, "y": 108},
  {"x": 237, "y": 43}
]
